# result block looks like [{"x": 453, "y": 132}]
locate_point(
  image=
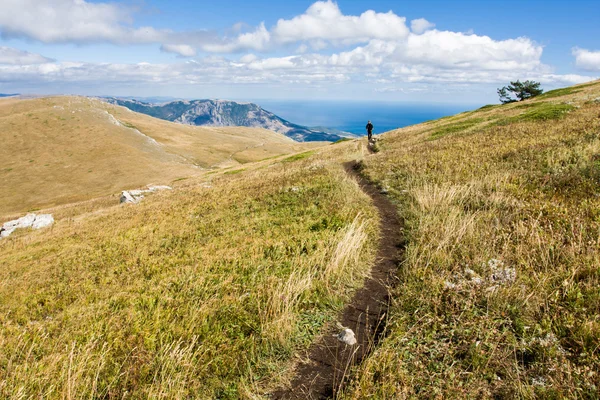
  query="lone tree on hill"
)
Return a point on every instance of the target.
[{"x": 523, "y": 91}]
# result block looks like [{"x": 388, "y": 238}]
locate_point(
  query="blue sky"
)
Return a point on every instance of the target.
[{"x": 425, "y": 51}]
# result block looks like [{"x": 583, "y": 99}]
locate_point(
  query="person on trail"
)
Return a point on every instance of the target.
[{"x": 370, "y": 130}]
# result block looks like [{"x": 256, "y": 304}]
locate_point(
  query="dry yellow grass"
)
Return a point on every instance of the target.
[
  {"x": 499, "y": 291},
  {"x": 61, "y": 150},
  {"x": 206, "y": 291}
]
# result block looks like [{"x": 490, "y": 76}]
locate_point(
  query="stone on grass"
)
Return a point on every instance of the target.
[
  {"x": 29, "y": 221},
  {"x": 346, "y": 335},
  {"x": 134, "y": 196}
]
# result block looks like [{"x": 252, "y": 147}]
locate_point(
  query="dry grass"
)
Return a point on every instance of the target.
[
  {"x": 206, "y": 291},
  {"x": 62, "y": 150},
  {"x": 210, "y": 290},
  {"x": 515, "y": 191}
]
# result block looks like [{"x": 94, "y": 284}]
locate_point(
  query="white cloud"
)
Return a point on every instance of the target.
[
  {"x": 373, "y": 48},
  {"x": 9, "y": 55},
  {"x": 586, "y": 59},
  {"x": 66, "y": 21},
  {"x": 420, "y": 25},
  {"x": 258, "y": 40},
  {"x": 183, "y": 50},
  {"x": 324, "y": 21}
]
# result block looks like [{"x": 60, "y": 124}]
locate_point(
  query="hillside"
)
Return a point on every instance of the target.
[
  {"x": 226, "y": 113},
  {"x": 64, "y": 149},
  {"x": 498, "y": 294},
  {"x": 217, "y": 288}
]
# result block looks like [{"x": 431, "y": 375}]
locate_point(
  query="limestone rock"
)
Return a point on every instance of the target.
[
  {"x": 135, "y": 196},
  {"x": 29, "y": 221},
  {"x": 126, "y": 197},
  {"x": 346, "y": 335},
  {"x": 42, "y": 221}
]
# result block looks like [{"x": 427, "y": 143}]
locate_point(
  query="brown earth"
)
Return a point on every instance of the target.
[{"x": 328, "y": 360}]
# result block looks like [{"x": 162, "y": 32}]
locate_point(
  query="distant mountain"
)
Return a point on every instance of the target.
[
  {"x": 225, "y": 113},
  {"x": 8, "y": 95}
]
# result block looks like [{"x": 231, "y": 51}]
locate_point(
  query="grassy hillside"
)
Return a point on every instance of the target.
[
  {"x": 213, "y": 290},
  {"x": 205, "y": 291},
  {"x": 65, "y": 149},
  {"x": 499, "y": 294}
]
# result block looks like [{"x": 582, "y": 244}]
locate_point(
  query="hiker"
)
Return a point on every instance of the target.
[{"x": 370, "y": 130}]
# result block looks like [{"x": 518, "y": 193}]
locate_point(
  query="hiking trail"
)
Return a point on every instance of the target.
[{"x": 328, "y": 361}]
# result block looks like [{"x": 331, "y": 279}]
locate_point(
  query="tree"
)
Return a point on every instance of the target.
[{"x": 522, "y": 90}]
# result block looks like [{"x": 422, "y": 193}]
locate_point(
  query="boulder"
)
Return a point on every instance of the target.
[
  {"x": 134, "y": 196},
  {"x": 29, "y": 221},
  {"x": 42, "y": 221},
  {"x": 127, "y": 197}
]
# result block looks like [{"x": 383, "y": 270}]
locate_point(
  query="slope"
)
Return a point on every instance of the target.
[
  {"x": 216, "y": 289},
  {"x": 226, "y": 113},
  {"x": 498, "y": 296},
  {"x": 206, "y": 291},
  {"x": 65, "y": 149}
]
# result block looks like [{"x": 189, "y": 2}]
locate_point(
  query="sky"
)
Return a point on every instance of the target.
[{"x": 351, "y": 50}]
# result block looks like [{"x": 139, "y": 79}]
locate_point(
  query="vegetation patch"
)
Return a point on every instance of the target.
[
  {"x": 128, "y": 125},
  {"x": 455, "y": 127},
  {"x": 297, "y": 157},
  {"x": 342, "y": 140},
  {"x": 489, "y": 107},
  {"x": 235, "y": 171},
  {"x": 559, "y": 92},
  {"x": 539, "y": 112}
]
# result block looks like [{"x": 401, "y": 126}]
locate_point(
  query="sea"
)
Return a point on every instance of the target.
[{"x": 351, "y": 116}]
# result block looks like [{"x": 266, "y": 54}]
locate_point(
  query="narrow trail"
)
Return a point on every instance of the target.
[{"x": 328, "y": 360}]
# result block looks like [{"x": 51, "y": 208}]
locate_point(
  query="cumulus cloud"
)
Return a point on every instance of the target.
[
  {"x": 375, "y": 48},
  {"x": 586, "y": 59},
  {"x": 9, "y": 55},
  {"x": 257, "y": 40},
  {"x": 324, "y": 21},
  {"x": 62, "y": 21},
  {"x": 183, "y": 50},
  {"x": 420, "y": 25}
]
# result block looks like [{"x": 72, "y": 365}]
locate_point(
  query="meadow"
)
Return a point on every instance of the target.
[
  {"x": 217, "y": 288},
  {"x": 206, "y": 291},
  {"x": 499, "y": 292}
]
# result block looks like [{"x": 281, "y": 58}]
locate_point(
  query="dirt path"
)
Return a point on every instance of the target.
[{"x": 329, "y": 360}]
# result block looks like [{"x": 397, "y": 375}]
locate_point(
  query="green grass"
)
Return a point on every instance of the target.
[
  {"x": 489, "y": 107},
  {"x": 235, "y": 171},
  {"x": 455, "y": 127},
  {"x": 342, "y": 140},
  {"x": 128, "y": 125},
  {"x": 538, "y": 112},
  {"x": 298, "y": 157},
  {"x": 559, "y": 93}
]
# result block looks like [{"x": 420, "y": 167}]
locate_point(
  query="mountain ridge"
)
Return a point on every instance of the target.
[{"x": 216, "y": 112}]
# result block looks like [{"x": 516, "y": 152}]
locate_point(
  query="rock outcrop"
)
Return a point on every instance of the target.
[
  {"x": 135, "y": 196},
  {"x": 29, "y": 221}
]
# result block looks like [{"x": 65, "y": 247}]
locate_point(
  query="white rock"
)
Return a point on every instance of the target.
[
  {"x": 126, "y": 197},
  {"x": 470, "y": 273},
  {"x": 346, "y": 336},
  {"x": 4, "y": 232},
  {"x": 449, "y": 285},
  {"x": 23, "y": 222},
  {"x": 42, "y": 221},
  {"x": 159, "y": 187},
  {"x": 504, "y": 275},
  {"x": 28, "y": 221}
]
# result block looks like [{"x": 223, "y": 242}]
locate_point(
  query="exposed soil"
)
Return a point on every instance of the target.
[{"x": 328, "y": 360}]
